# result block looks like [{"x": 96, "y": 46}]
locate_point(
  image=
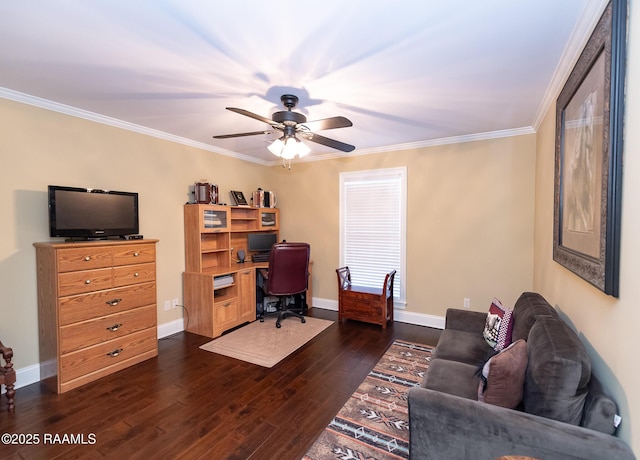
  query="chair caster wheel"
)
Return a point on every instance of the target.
[
  {"x": 278, "y": 325},
  {"x": 304, "y": 320}
]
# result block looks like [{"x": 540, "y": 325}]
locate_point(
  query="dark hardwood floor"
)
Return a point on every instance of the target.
[{"x": 189, "y": 403}]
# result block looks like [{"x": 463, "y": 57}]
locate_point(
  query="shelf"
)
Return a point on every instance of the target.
[
  {"x": 217, "y": 288},
  {"x": 211, "y": 251}
]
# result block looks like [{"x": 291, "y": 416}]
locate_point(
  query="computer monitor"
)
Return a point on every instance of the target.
[{"x": 261, "y": 242}]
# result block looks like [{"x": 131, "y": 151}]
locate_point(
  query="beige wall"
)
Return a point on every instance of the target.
[
  {"x": 40, "y": 147},
  {"x": 469, "y": 219},
  {"x": 607, "y": 325}
]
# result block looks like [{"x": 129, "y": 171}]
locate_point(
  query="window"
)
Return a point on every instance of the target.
[{"x": 373, "y": 227}]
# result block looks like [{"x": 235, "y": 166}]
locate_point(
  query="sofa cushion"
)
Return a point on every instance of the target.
[
  {"x": 503, "y": 376},
  {"x": 452, "y": 377},
  {"x": 558, "y": 372},
  {"x": 528, "y": 307},
  {"x": 465, "y": 347},
  {"x": 498, "y": 326},
  {"x": 600, "y": 411}
]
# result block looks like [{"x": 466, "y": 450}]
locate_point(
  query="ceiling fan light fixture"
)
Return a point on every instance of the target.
[
  {"x": 288, "y": 148},
  {"x": 290, "y": 123},
  {"x": 276, "y": 147},
  {"x": 302, "y": 148}
]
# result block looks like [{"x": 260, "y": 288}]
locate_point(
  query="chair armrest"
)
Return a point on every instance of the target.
[
  {"x": 444, "y": 426},
  {"x": 6, "y": 352},
  {"x": 465, "y": 320}
]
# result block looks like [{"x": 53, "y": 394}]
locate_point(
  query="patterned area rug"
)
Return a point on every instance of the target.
[{"x": 374, "y": 422}]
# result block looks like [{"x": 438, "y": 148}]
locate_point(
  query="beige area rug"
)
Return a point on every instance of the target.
[{"x": 263, "y": 343}]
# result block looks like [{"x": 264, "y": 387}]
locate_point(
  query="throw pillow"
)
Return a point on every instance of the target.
[
  {"x": 502, "y": 381},
  {"x": 498, "y": 326}
]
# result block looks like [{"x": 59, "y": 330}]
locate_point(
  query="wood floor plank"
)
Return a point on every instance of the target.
[{"x": 189, "y": 403}]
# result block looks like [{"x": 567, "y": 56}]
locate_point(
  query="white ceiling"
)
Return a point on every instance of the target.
[{"x": 411, "y": 73}]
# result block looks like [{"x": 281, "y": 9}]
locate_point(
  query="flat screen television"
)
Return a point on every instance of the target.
[
  {"x": 261, "y": 242},
  {"x": 82, "y": 213}
]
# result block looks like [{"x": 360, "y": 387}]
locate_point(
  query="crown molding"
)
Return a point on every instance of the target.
[
  {"x": 419, "y": 145},
  {"x": 97, "y": 118},
  {"x": 578, "y": 40}
]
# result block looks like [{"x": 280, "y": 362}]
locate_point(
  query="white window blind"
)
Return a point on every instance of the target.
[{"x": 373, "y": 227}]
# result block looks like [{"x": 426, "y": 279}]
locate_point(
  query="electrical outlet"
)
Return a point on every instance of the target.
[
  {"x": 467, "y": 303},
  {"x": 167, "y": 305},
  {"x": 175, "y": 303}
]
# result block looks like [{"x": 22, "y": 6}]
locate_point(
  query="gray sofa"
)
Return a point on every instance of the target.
[{"x": 564, "y": 413}]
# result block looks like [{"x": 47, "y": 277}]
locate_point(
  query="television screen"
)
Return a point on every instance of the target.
[
  {"x": 261, "y": 242},
  {"x": 90, "y": 213}
]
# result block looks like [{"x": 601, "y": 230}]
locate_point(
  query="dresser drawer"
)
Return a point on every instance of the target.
[
  {"x": 134, "y": 254},
  {"x": 81, "y": 335},
  {"x": 133, "y": 274},
  {"x": 88, "y": 306},
  {"x": 84, "y": 281},
  {"x": 83, "y": 258},
  {"x": 96, "y": 358}
]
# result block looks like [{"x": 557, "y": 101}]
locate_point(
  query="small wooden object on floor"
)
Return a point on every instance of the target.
[
  {"x": 8, "y": 375},
  {"x": 371, "y": 305}
]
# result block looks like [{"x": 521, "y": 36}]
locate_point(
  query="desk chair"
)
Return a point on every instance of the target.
[
  {"x": 372, "y": 305},
  {"x": 7, "y": 375},
  {"x": 287, "y": 275}
]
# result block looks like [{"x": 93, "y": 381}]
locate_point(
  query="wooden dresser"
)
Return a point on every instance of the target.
[{"x": 97, "y": 309}]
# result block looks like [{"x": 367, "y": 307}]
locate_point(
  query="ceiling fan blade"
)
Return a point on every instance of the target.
[
  {"x": 254, "y": 133},
  {"x": 328, "y": 123},
  {"x": 334, "y": 144},
  {"x": 246, "y": 113}
]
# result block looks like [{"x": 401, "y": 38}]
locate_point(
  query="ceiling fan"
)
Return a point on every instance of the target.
[{"x": 292, "y": 123}]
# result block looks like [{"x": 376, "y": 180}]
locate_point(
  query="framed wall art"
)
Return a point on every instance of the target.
[{"x": 588, "y": 163}]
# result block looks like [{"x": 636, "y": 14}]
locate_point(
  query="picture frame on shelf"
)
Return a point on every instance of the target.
[
  {"x": 238, "y": 198},
  {"x": 588, "y": 156}
]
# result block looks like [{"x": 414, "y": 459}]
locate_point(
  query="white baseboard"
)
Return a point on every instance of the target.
[
  {"x": 31, "y": 374},
  {"x": 173, "y": 327},
  {"x": 419, "y": 319},
  {"x": 26, "y": 376},
  {"x": 325, "y": 304}
]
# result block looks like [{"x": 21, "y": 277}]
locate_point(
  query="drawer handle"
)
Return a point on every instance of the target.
[
  {"x": 114, "y": 328},
  {"x": 87, "y": 282},
  {"x": 226, "y": 304},
  {"x": 115, "y": 352},
  {"x": 135, "y": 275},
  {"x": 87, "y": 259},
  {"x": 136, "y": 254},
  {"x": 113, "y": 302}
]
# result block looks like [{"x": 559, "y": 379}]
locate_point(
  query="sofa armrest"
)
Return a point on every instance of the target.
[
  {"x": 444, "y": 426},
  {"x": 465, "y": 320}
]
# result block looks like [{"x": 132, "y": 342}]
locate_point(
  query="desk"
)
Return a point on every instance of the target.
[
  {"x": 214, "y": 235},
  {"x": 213, "y": 310}
]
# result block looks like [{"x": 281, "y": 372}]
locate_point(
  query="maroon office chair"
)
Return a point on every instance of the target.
[{"x": 287, "y": 276}]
